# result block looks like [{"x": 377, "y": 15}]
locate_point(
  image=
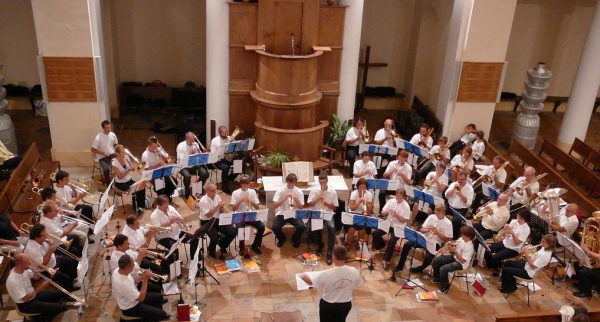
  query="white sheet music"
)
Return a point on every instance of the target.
[
  {"x": 104, "y": 219},
  {"x": 262, "y": 214},
  {"x": 301, "y": 285},
  {"x": 287, "y": 214},
  {"x": 316, "y": 224},
  {"x": 244, "y": 233},
  {"x": 175, "y": 246},
  {"x": 225, "y": 219},
  {"x": 175, "y": 269},
  {"x": 159, "y": 184},
  {"x": 170, "y": 288},
  {"x": 194, "y": 267},
  {"x": 327, "y": 215},
  {"x": 104, "y": 197},
  {"x": 347, "y": 218},
  {"x": 399, "y": 231}
]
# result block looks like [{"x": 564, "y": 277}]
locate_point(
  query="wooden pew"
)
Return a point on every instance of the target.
[
  {"x": 543, "y": 317},
  {"x": 589, "y": 156},
  {"x": 575, "y": 169}
]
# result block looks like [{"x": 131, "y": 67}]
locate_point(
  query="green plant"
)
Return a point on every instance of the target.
[
  {"x": 338, "y": 129},
  {"x": 275, "y": 159}
]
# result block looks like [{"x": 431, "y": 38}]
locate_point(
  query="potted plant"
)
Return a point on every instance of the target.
[
  {"x": 274, "y": 159},
  {"x": 338, "y": 132}
]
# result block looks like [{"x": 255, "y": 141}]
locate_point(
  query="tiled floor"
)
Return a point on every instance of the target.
[{"x": 242, "y": 296}]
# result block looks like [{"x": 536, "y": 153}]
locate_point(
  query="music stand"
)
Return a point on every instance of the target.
[
  {"x": 240, "y": 219},
  {"x": 201, "y": 234},
  {"x": 305, "y": 214},
  {"x": 457, "y": 215},
  {"x": 572, "y": 247},
  {"x": 419, "y": 240},
  {"x": 365, "y": 222},
  {"x": 537, "y": 220},
  {"x": 413, "y": 149},
  {"x": 489, "y": 191}
]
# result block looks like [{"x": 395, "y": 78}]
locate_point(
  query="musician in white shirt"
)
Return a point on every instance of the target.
[
  {"x": 439, "y": 153},
  {"x": 211, "y": 206},
  {"x": 361, "y": 202},
  {"x": 435, "y": 184},
  {"x": 478, "y": 145},
  {"x": 459, "y": 162},
  {"x": 246, "y": 199},
  {"x": 439, "y": 228},
  {"x": 496, "y": 215},
  {"x": 365, "y": 168},
  {"x": 29, "y": 299},
  {"x": 67, "y": 193},
  {"x": 144, "y": 304},
  {"x": 324, "y": 198},
  {"x": 354, "y": 138},
  {"x": 529, "y": 267},
  {"x": 218, "y": 145},
  {"x": 397, "y": 211},
  {"x": 385, "y": 137},
  {"x": 186, "y": 148},
  {"x": 122, "y": 247},
  {"x": 155, "y": 157},
  {"x": 288, "y": 197},
  {"x": 54, "y": 225},
  {"x": 464, "y": 140},
  {"x": 11, "y": 237},
  {"x": 399, "y": 171},
  {"x": 459, "y": 196},
  {"x": 122, "y": 167},
  {"x": 568, "y": 221},
  {"x": 461, "y": 253},
  {"x": 166, "y": 216},
  {"x": 494, "y": 175},
  {"x": 522, "y": 198},
  {"x": 515, "y": 235},
  {"x": 421, "y": 138},
  {"x": 103, "y": 149}
]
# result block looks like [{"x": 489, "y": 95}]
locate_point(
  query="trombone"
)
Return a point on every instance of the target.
[
  {"x": 11, "y": 255},
  {"x": 78, "y": 221},
  {"x": 170, "y": 159},
  {"x": 140, "y": 165},
  {"x": 25, "y": 227},
  {"x": 537, "y": 178},
  {"x": 202, "y": 148}
]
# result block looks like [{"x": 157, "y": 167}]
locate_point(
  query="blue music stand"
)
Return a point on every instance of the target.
[
  {"x": 424, "y": 196},
  {"x": 457, "y": 215},
  {"x": 197, "y": 159},
  {"x": 378, "y": 184},
  {"x": 239, "y": 219},
  {"x": 162, "y": 172},
  {"x": 494, "y": 194},
  {"x": 419, "y": 241},
  {"x": 236, "y": 146}
]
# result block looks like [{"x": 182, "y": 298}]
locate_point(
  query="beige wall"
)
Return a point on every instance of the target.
[{"x": 18, "y": 45}]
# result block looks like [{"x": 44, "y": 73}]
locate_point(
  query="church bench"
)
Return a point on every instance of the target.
[
  {"x": 542, "y": 317},
  {"x": 428, "y": 117},
  {"x": 588, "y": 155}
]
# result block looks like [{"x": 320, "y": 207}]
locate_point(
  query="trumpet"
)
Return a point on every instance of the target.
[
  {"x": 394, "y": 134},
  {"x": 248, "y": 203},
  {"x": 431, "y": 232},
  {"x": 445, "y": 248},
  {"x": 322, "y": 199},
  {"x": 532, "y": 250},
  {"x": 140, "y": 165},
  {"x": 149, "y": 253},
  {"x": 364, "y": 203},
  {"x": 503, "y": 231},
  {"x": 158, "y": 228},
  {"x": 537, "y": 178},
  {"x": 25, "y": 227},
  {"x": 180, "y": 222},
  {"x": 456, "y": 188},
  {"x": 11, "y": 254},
  {"x": 483, "y": 211},
  {"x": 163, "y": 278},
  {"x": 291, "y": 203}
]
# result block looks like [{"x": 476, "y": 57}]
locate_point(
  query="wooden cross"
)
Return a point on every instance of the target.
[{"x": 361, "y": 98}]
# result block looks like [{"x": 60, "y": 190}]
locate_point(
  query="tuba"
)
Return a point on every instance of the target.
[
  {"x": 591, "y": 235},
  {"x": 553, "y": 198}
]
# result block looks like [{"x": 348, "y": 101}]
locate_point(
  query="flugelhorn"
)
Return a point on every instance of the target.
[
  {"x": 537, "y": 178},
  {"x": 163, "y": 278},
  {"x": 532, "y": 250}
]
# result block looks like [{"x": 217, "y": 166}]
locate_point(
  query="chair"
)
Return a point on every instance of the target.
[
  {"x": 527, "y": 281},
  {"x": 25, "y": 315},
  {"x": 464, "y": 273},
  {"x": 124, "y": 317},
  {"x": 118, "y": 193},
  {"x": 96, "y": 166}
]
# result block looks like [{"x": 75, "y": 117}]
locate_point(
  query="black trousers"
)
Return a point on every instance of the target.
[
  {"x": 186, "y": 173},
  {"x": 484, "y": 232},
  {"x": 149, "y": 310},
  {"x": 228, "y": 232},
  {"x": 105, "y": 164},
  {"x": 511, "y": 270},
  {"x": 46, "y": 303},
  {"x": 87, "y": 212},
  {"x": 260, "y": 231},
  {"x": 278, "y": 224},
  {"x": 12, "y": 162},
  {"x": 169, "y": 242},
  {"x": 351, "y": 154},
  {"x": 167, "y": 190},
  {"x": 587, "y": 278},
  {"x": 427, "y": 259},
  {"x": 333, "y": 312},
  {"x": 224, "y": 166},
  {"x": 456, "y": 221},
  {"x": 499, "y": 253}
]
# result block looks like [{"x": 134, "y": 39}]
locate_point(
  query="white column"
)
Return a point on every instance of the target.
[
  {"x": 587, "y": 81},
  {"x": 217, "y": 64},
  {"x": 350, "y": 56}
]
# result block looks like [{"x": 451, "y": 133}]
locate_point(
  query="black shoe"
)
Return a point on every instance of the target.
[
  {"x": 397, "y": 269},
  {"x": 582, "y": 294},
  {"x": 296, "y": 243},
  {"x": 91, "y": 241},
  {"x": 165, "y": 300},
  {"x": 435, "y": 280},
  {"x": 75, "y": 288},
  {"x": 167, "y": 318},
  {"x": 280, "y": 242},
  {"x": 415, "y": 270},
  {"x": 576, "y": 284},
  {"x": 329, "y": 259},
  {"x": 445, "y": 289},
  {"x": 139, "y": 212},
  {"x": 256, "y": 249}
]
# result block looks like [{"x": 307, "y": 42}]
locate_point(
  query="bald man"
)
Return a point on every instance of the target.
[
  {"x": 185, "y": 149},
  {"x": 568, "y": 221},
  {"x": 521, "y": 199}
]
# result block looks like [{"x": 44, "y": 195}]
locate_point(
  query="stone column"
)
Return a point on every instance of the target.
[{"x": 217, "y": 64}]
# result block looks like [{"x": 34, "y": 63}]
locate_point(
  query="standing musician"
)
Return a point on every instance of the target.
[
  {"x": 142, "y": 303},
  {"x": 397, "y": 211},
  {"x": 288, "y": 197},
  {"x": 361, "y": 202},
  {"x": 42, "y": 251},
  {"x": 66, "y": 192},
  {"x": 461, "y": 253},
  {"x": 32, "y": 300},
  {"x": 166, "y": 216},
  {"x": 218, "y": 144},
  {"x": 464, "y": 140},
  {"x": 463, "y": 158},
  {"x": 568, "y": 221},
  {"x": 323, "y": 198},
  {"x": 438, "y": 151},
  {"x": 155, "y": 157},
  {"x": 54, "y": 224},
  {"x": 435, "y": 184},
  {"x": 585, "y": 275},
  {"x": 497, "y": 181},
  {"x": 354, "y": 137},
  {"x": 398, "y": 170},
  {"x": 122, "y": 248},
  {"x": 245, "y": 199},
  {"x": 103, "y": 149},
  {"x": 522, "y": 199},
  {"x": 436, "y": 227},
  {"x": 122, "y": 167},
  {"x": 385, "y": 136},
  {"x": 514, "y": 236},
  {"x": 211, "y": 206},
  {"x": 185, "y": 148},
  {"x": 365, "y": 168},
  {"x": 422, "y": 137},
  {"x": 495, "y": 216},
  {"x": 478, "y": 146},
  {"x": 459, "y": 196},
  {"x": 11, "y": 237},
  {"x": 529, "y": 267}
]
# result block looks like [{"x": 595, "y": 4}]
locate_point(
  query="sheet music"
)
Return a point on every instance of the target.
[
  {"x": 316, "y": 224},
  {"x": 287, "y": 214},
  {"x": 237, "y": 166},
  {"x": 399, "y": 231},
  {"x": 261, "y": 214},
  {"x": 194, "y": 266},
  {"x": 225, "y": 219},
  {"x": 104, "y": 197},
  {"x": 384, "y": 225},
  {"x": 301, "y": 169},
  {"x": 159, "y": 184},
  {"x": 244, "y": 233},
  {"x": 175, "y": 269},
  {"x": 104, "y": 219},
  {"x": 327, "y": 215},
  {"x": 347, "y": 218},
  {"x": 301, "y": 285},
  {"x": 175, "y": 246},
  {"x": 170, "y": 288}
]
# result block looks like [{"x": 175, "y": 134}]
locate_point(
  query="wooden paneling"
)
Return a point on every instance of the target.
[
  {"x": 301, "y": 143},
  {"x": 327, "y": 106},
  {"x": 70, "y": 79},
  {"x": 479, "y": 82},
  {"x": 241, "y": 113},
  {"x": 242, "y": 68},
  {"x": 242, "y": 24},
  {"x": 288, "y": 22},
  {"x": 328, "y": 68},
  {"x": 331, "y": 26}
]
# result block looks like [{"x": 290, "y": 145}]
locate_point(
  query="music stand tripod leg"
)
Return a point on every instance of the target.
[
  {"x": 203, "y": 271},
  {"x": 407, "y": 280}
]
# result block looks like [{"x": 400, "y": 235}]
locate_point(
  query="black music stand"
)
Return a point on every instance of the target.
[
  {"x": 572, "y": 247},
  {"x": 201, "y": 233},
  {"x": 364, "y": 222},
  {"x": 240, "y": 219},
  {"x": 419, "y": 240},
  {"x": 305, "y": 214}
]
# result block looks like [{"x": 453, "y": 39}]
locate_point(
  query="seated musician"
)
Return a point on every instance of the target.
[
  {"x": 32, "y": 300},
  {"x": 568, "y": 221},
  {"x": 8, "y": 160},
  {"x": 64, "y": 191},
  {"x": 361, "y": 202},
  {"x": 41, "y": 250},
  {"x": 438, "y": 151},
  {"x": 11, "y": 237},
  {"x": 397, "y": 211},
  {"x": 354, "y": 138},
  {"x": 459, "y": 196},
  {"x": 122, "y": 247},
  {"x": 527, "y": 268},
  {"x": 521, "y": 199},
  {"x": 436, "y": 227},
  {"x": 464, "y": 140},
  {"x": 218, "y": 145},
  {"x": 122, "y": 167},
  {"x": 288, "y": 197},
  {"x": 155, "y": 157},
  {"x": 134, "y": 302},
  {"x": 478, "y": 145},
  {"x": 514, "y": 236},
  {"x": 211, "y": 206},
  {"x": 103, "y": 149},
  {"x": 365, "y": 168},
  {"x": 587, "y": 276},
  {"x": 324, "y": 198},
  {"x": 186, "y": 148},
  {"x": 497, "y": 181},
  {"x": 385, "y": 136},
  {"x": 55, "y": 225},
  {"x": 422, "y": 138},
  {"x": 245, "y": 199},
  {"x": 435, "y": 184},
  {"x": 398, "y": 170},
  {"x": 138, "y": 236},
  {"x": 166, "y": 216},
  {"x": 493, "y": 217},
  {"x": 461, "y": 253},
  {"x": 463, "y": 161}
]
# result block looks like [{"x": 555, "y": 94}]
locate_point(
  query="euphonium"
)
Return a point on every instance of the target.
[
  {"x": 235, "y": 133},
  {"x": 591, "y": 234}
]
